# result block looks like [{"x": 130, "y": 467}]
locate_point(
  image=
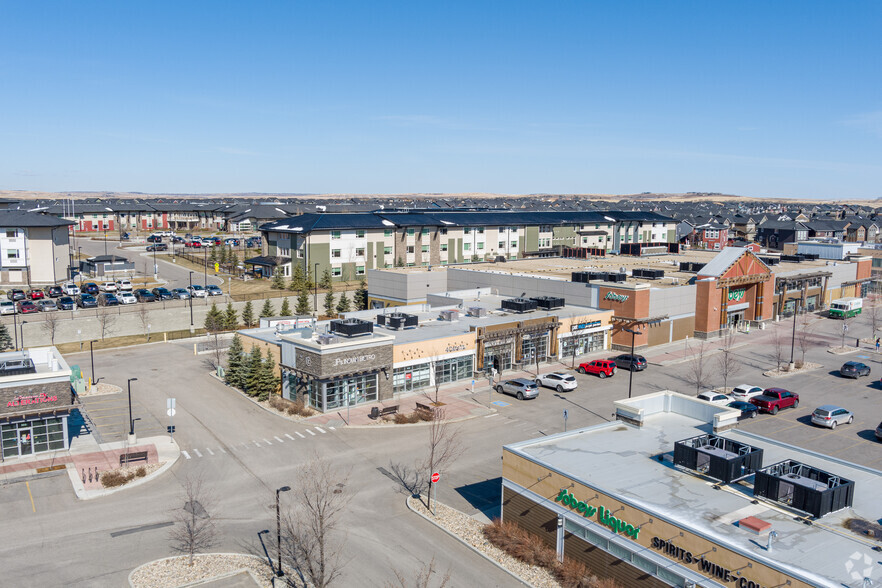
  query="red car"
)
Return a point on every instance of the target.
[
  {"x": 601, "y": 367},
  {"x": 193, "y": 244},
  {"x": 35, "y": 294},
  {"x": 26, "y": 307}
]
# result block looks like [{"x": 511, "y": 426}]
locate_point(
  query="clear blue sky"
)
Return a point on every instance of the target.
[{"x": 753, "y": 98}]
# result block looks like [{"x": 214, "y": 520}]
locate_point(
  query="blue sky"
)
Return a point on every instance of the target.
[{"x": 754, "y": 98}]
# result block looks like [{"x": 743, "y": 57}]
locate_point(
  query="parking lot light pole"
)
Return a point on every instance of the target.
[
  {"x": 279, "y": 573},
  {"x": 315, "y": 295},
  {"x": 631, "y": 370},
  {"x": 191, "y": 300},
  {"x": 23, "y": 323},
  {"x": 15, "y": 308},
  {"x": 205, "y": 280},
  {"x": 131, "y": 422},
  {"x": 793, "y": 336},
  {"x": 92, "y": 360}
]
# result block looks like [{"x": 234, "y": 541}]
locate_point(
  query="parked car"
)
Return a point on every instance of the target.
[
  {"x": 54, "y": 292},
  {"x": 124, "y": 237},
  {"x": 108, "y": 299},
  {"x": 745, "y": 392},
  {"x": 626, "y": 361},
  {"x": 854, "y": 369},
  {"x": 232, "y": 241},
  {"x": 197, "y": 291},
  {"x": 748, "y": 410},
  {"x": 252, "y": 242},
  {"x": 109, "y": 287},
  {"x": 178, "y": 240},
  {"x": 126, "y": 297},
  {"x": 46, "y": 305},
  {"x": 157, "y": 247},
  {"x": 91, "y": 288},
  {"x": 601, "y": 367},
  {"x": 557, "y": 380},
  {"x": 86, "y": 301},
  {"x": 193, "y": 244},
  {"x": 123, "y": 285},
  {"x": 70, "y": 289},
  {"x": 180, "y": 294},
  {"x": 27, "y": 307},
  {"x": 154, "y": 239},
  {"x": 879, "y": 432},
  {"x": 214, "y": 290},
  {"x": 36, "y": 294},
  {"x": 144, "y": 295},
  {"x": 831, "y": 415},
  {"x": 162, "y": 293},
  {"x": 774, "y": 399},
  {"x": 67, "y": 303},
  {"x": 714, "y": 398},
  {"x": 7, "y": 307},
  {"x": 167, "y": 234},
  {"x": 15, "y": 294},
  {"x": 521, "y": 388}
]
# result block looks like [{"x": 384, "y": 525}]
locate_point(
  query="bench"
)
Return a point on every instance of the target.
[
  {"x": 381, "y": 412},
  {"x": 425, "y": 408},
  {"x": 127, "y": 458}
]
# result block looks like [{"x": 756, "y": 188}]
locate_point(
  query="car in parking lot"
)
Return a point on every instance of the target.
[
  {"x": 162, "y": 293},
  {"x": 70, "y": 289},
  {"x": 54, "y": 292},
  {"x": 46, "y": 305},
  {"x": 7, "y": 307},
  {"x": 193, "y": 244},
  {"x": 178, "y": 240},
  {"x": 91, "y": 288},
  {"x": 774, "y": 399},
  {"x": 36, "y": 294},
  {"x": 109, "y": 287},
  {"x": 831, "y": 415},
  {"x": 86, "y": 301},
  {"x": 67, "y": 303},
  {"x": 252, "y": 242},
  {"x": 180, "y": 294},
  {"x": 232, "y": 241},
  {"x": 15, "y": 294},
  {"x": 124, "y": 284},
  {"x": 600, "y": 367},
  {"x": 521, "y": 388},
  {"x": 27, "y": 307},
  {"x": 144, "y": 295},
  {"x": 714, "y": 398},
  {"x": 745, "y": 392},
  {"x": 157, "y": 247},
  {"x": 854, "y": 369},
  {"x": 748, "y": 410},
  {"x": 626, "y": 361},
  {"x": 197, "y": 291},
  {"x": 126, "y": 298},
  {"x": 154, "y": 239},
  {"x": 558, "y": 380},
  {"x": 214, "y": 290},
  {"x": 108, "y": 299},
  {"x": 879, "y": 432}
]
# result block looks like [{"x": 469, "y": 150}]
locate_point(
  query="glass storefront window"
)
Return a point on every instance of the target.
[
  {"x": 358, "y": 389},
  {"x": 407, "y": 379},
  {"x": 534, "y": 346},
  {"x": 582, "y": 344},
  {"x": 29, "y": 437},
  {"x": 502, "y": 351},
  {"x": 455, "y": 368}
]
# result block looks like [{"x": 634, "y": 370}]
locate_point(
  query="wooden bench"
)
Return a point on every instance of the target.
[
  {"x": 425, "y": 408},
  {"x": 127, "y": 458},
  {"x": 385, "y": 411}
]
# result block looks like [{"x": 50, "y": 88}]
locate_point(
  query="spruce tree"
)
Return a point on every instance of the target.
[
  {"x": 286, "y": 308},
  {"x": 399, "y": 262},
  {"x": 255, "y": 369},
  {"x": 267, "y": 309},
  {"x": 269, "y": 381},
  {"x": 248, "y": 315},
  {"x": 235, "y": 363},
  {"x": 297, "y": 279},
  {"x": 213, "y": 256},
  {"x": 5, "y": 338},
  {"x": 343, "y": 303},
  {"x": 231, "y": 320},
  {"x": 214, "y": 320},
  {"x": 233, "y": 259},
  {"x": 327, "y": 282},
  {"x": 278, "y": 282},
  {"x": 222, "y": 255},
  {"x": 360, "y": 298},
  {"x": 310, "y": 279},
  {"x": 329, "y": 303},
  {"x": 303, "y": 302}
]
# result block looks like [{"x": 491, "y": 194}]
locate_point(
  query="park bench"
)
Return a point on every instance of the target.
[
  {"x": 127, "y": 458},
  {"x": 381, "y": 412},
  {"x": 425, "y": 408}
]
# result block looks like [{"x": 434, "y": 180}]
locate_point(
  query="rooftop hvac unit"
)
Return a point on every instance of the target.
[
  {"x": 449, "y": 315},
  {"x": 16, "y": 367},
  {"x": 792, "y": 258},
  {"x": 803, "y": 487},
  {"x": 327, "y": 339},
  {"x": 691, "y": 266},
  {"x": 477, "y": 311},
  {"x": 397, "y": 320},
  {"x": 519, "y": 305},
  {"x": 770, "y": 260},
  {"x": 598, "y": 276},
  {"x": 617, "y": 278},
  {"x": 548, "y": 302},
  {"x": 718, "y": 457},
  {"x": 580, "y": 277},
  {"x": 352, "y": 327},
  {"x": 649, "y": 274}
]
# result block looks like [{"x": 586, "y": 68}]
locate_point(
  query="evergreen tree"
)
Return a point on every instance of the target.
[
  {"x": 297, "y": 279},
  {"x": 329, "y": 303},
  {"x": 5, "y": 338},
  {"x": 213, "y": 256},
  {"x": 255, "y": 369},
  {"x": 399, "y": 262},
  {"x": 248, "y": 315},
  {"x": 233, "y": 260},
  {"x": 214, "y": 320},
  {"x": 343, "y": 303},
  {"x": 286, "y": 308},
  {"x": 267, "y": 309},
  {"x": 235, "y": 363},
  {"x": 326, "y": 282},
  {"x": 222, "y": 254},
  {"x": 310, "y": 279},
  {"x": 230, "y": 318},
  {"x": 278, "y": 282},
  {"x": 268, "y": 380},
  {"x": 360, "y": 298},
  {"x": 303, "y": 302}
]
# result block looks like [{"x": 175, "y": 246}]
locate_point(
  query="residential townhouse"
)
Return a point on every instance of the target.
[{"x": 775, "y": 233}]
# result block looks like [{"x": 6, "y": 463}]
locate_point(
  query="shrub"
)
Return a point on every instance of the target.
[
  {"x": 402, "y": 418},
  {"x": 572, "y": 574},
  {"x": 113, "y": 479},
  {"x": 141, "y": 472}
]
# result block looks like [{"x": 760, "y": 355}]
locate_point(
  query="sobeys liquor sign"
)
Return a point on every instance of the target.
[
  {"x": 737, "y": 295},
  {"x": 603, "y": 515}
]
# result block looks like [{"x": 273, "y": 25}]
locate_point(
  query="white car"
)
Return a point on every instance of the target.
[
  {"x": 559, "y": 381},
  {"x": 108, "y": 287},
  {"x": 197, "y": 291},
  {"x": 7, "y": 307},
  {"x": 70, "y": 289},
  {"x": 745, "y": 392},
  {"x": 126, "y": 298},
  {"x": 124, "y": 285},
  {"x": 715, "y": 398}
]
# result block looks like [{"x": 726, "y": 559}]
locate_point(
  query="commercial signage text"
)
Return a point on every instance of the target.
[
  {"x": 454, "y": 347},
  {"x": 736, "y": 295},
  {"x": 615, "y": 297},
  {"x": 354, "y": 359},
  {"x": 604, "y": 517},
  {"x": 588, "y": 325},
  {"x": 26, "y": 400},
  {"x": 705, "y": 566}
]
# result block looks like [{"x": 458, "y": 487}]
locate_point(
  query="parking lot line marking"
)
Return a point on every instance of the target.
[
  {"x": 490, "y": 416},
  {"x": 196, "y": 451},
  {"x": 277, "y": 439},
  {"x": 301, "y": 435},
  {"x": 222, "y": 449},
  {"x": 187, "y": 455},
  {"x": 208, "y": 449},
  {"x": 289, "y": 437},
  {"x": 28, "y": 486},
  {"x": 332, "y": 428},
  {"x": 850, "y": 446},
  {"x": 256, "y": 443},
  {"x": 310, "y": 432},
  {"x": 319, "y": 429},
  {"x": 267, "y": 441}
]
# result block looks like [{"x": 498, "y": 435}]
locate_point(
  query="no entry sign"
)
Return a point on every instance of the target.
[{"x": 435, "y": 477}]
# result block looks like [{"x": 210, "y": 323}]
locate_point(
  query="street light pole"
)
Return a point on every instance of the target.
[
  {"x": 631, "y": 369},
  {"x": 205, "y": 280},
  {"x": 315, "y": 295},
  {"x": 105, "y": 238},
  {"x": 92, "y": 359},
  {"x": 793, "y": 336},
  {"x": 23, "y": 323},
  {"x": 190, "y": 290},
  {"x": 131, "y": 422},
  {"x": 279, "y": 573},
  {"x": 15, "y": 307}
]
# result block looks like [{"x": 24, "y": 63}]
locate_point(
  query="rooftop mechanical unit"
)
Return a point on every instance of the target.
[
  {"x": 327, "y": 339},
  {"x": 770, "y": 260},
  {"x": 449, "y": 315},
  {"x": 519, "y": 305},
  {"x": 579, "y": 277},
  {"x": 398, "y": 320},
  {"x": 717, "y": 457},
  {"x": 548, "y": 302},
  {"x": 477, "y": 311},
  {"x": 804, "y": 487},
  {"x": 352, "y": 327},
  {"x": 617, "y": 277},
  {"x": 16, "y": 367},
  {"x": 691, "y": 266},
  {"x": 649, "y": 274}
]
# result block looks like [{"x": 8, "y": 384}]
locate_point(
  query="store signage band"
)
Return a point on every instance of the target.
[
  {"x": 588, "y": 325},
  {"x": 603, "y": 515},
  {"x": 615, "y": 297},
  {"x": 737, "y": 295},
  {"x": 705, "y": 566},
  {"x": 25, "y": 400},
  {"x": 354, "y": 359}
]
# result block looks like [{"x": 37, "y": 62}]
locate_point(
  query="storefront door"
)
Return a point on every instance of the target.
[
  {"x": 25, "y": 441},
  {"x": 735, "y": 318}
]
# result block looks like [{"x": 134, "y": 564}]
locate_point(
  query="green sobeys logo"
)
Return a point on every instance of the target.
[
  {"x": 736, "y": 295},
  {"x": 615, "y": 297},
  {"x": 603, "y": 515}
]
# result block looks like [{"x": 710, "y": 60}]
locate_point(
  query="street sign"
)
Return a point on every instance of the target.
[
  {"x": 170, "y": 412},
  {"x": 435, "y": 477},
  {"x": 566, "y": 414},
  {"x": 170, "y": 429},
  {"x": 169, "y": 402}
]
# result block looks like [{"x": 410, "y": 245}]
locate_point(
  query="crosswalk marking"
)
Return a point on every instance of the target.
[
  {"x": 256, "y": 443},
  {"x": 277, "y": 439},
  {"x": 319, "y": 429},
  {"x": 301, "y": 435},
  {"x": 332, "y": 428},
  {"x": 289, "y": 437},
  {"x": 222, "y": 449},
  {"x": 187, "y": 455},
  {"x": 208, "y": 449},
  {"x": 267, "y": 441},
  {"x": 310, "y": 432}
]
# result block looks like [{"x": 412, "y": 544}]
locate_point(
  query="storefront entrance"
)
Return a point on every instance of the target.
[
  {"x": 30, "y": 437},
  {"x": 734, "y": 319},
  {"x": 581, "y": 344},
  {"x": 498, "y": 355}
]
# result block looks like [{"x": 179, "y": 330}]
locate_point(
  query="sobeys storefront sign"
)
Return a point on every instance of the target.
[
  {"x": 603, "y": 515},
  {"x": 737, "y": 295},
  {"x": 615, "y": 297}
]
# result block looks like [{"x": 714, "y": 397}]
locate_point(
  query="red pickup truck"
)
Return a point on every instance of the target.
[{"x": 773, "y": 399}]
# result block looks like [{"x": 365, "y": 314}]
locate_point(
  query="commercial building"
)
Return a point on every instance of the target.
[
  {"x": 34, "y": 248},
  {"x": 35, "y": 402},
  {"x": 670, "y": 494}
]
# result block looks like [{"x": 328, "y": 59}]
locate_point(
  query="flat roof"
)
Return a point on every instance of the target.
[{"x": 617, "y": 458}]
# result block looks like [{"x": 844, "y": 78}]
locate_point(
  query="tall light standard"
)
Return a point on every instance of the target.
[
  {"x": 155, "y": 268},
  {"x": 315, "y": 295},
  {"x": 279, "y": 573},
  {"x": 205, "y": 277},
  {"x": 131, "y": 422},
  {"x": 191, "y": 300},
  {"x": 796, "y": 309},
  {"x": 92, "y": 359},
  {"x": 80, "y": 265},
  {"x": 631, "y": 375},
  {"x": 15, "y": 308},
  {"x": 105, "y": 238},
  {"x": 23, "y": 323}
]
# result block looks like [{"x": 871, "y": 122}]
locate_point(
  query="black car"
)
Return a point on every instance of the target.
[
  {"x": 66, "y": 303},
  {"x": 626, "y": 361},
  {"x": 86, "y": 301},
  {"x": 124, "y": 237},
  {"x": 144, "y": 295},
  {"x": 748, "y": 410},
  {"x": 177, "y": 239},
  {"x": 252, "y": 242},
  {"x": 54, "y": 292},
  {"x": 157, "y": 247},
  {"x": 108, "y": 299},
  {"x": 162, "y": 294},
  {"x": 16, "y": 294},
  {"x": 90, "y": 288},
  {"x": 154, "y": 239},
  {"x": 854, "y": 369}
]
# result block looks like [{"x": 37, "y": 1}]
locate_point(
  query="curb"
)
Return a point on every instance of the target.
[
  {"x": 422, "y": 424},
  {"x": 469, "y": 545},
  {"x": 83, "y": 494},
  {"x": 197, "y": 582}
]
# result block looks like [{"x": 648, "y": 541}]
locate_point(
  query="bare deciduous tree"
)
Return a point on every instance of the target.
[
  {"x": 779, "y": 345},
  {"x": 51, "y": 322},
  {"x": 444, "y": 447},
  {"x": 696, "y": 370},
  {"x": 804, "y": 339},
  {"x": 106, "y": 321},
  {"x": 874, "y": 313},
  {"x": 424, "y": 578},
  {"x": 310, "y": 543},
  {"x": 727, "y": 363},
  {"x": 194, "y": 531},
  {"x": 144, "y": 318}
]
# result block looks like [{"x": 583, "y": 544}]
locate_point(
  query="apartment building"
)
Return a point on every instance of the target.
[{"x": 34, "y": 248}]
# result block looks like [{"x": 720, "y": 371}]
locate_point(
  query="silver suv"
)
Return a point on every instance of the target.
[
  {"x": 521, "y": 387},
  {"x": 829, "y": 416}
]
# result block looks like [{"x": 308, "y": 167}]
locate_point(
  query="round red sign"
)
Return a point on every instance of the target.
[{"x": 435, "y": 477}]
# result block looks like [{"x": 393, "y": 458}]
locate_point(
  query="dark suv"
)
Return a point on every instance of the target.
[
  {"x": 54, "y": 291},
  {"x": 144, "y": 295},
  {"x": 162, "y": 294},
  {"x": 626, "y": 361},
  {"x": 854, "y": 369}
]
